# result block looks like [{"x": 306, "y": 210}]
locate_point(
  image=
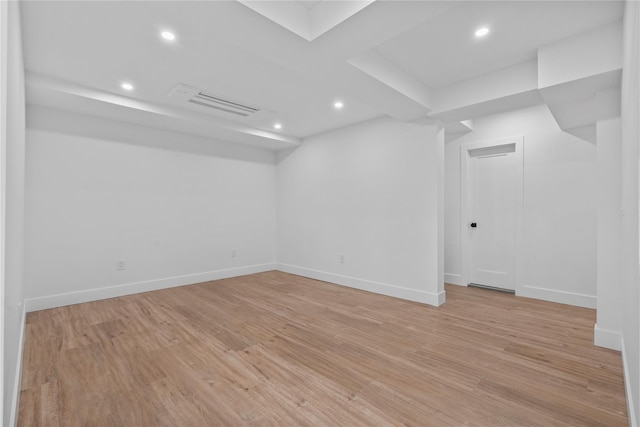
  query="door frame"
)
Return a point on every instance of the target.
[{"x": 465, "y": 205}]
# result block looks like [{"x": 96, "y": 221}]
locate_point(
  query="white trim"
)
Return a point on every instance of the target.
[
  {"x": 607, "y": 338},
  {"x": 59, "y": 300},
  {"x": 367, "y": 285},
  {"x": 631, "y": 412},
  {"x": 465, "y": 204},
  {"x": 562, "y": 297},
  {"x": 15, "y": 399},
  {"x": 454, "y": 279}
]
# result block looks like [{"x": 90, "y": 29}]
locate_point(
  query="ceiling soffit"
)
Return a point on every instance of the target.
[{"x": 307, "y": 22}]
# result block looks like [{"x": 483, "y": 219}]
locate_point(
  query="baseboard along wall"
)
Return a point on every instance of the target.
[
  {"x": 15, "y": 398},
  {"x": 366, "y": 285},
  {"x": 59, "y": 300},
  {"x": 454, "y": 279},
  {"x": 562, "y": 297},
  {"x": 607, "y": 338}
]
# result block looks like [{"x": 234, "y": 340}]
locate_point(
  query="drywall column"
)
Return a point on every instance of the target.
[
  {"x": 14, "y": 174},
  {"x": 439, "y": 142},
  {"x": 3, "y": 145},
  {"x": 609, "y": 158},
  {"x": 630, "y": 298}
]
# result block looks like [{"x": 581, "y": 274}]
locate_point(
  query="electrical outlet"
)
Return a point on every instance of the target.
[
  {"x": 234, "y": 253},
  {"x": 341, "y": 258},
  {"x": 120, "y": 264}
]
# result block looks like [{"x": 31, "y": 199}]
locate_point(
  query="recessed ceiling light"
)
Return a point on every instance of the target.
[
  {"x": 338, "y": 105},
  {"x": 126, "y": 86},
  {"x": 278, "y": 126},
  {"x": 168, "y": 35},
  {"x": 482, "y": 31}
]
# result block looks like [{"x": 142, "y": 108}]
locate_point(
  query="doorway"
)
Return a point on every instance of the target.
[{"x": 491, "y": 213}]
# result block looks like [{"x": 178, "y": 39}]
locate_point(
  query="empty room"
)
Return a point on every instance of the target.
[{"x": 320, "y": 213}]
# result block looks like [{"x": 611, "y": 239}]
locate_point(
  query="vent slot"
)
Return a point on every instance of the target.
[
  {"x": 198, "y": 97},
  {"x": 211, "y": 101}
]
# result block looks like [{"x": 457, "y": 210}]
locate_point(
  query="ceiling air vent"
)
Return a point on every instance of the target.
[{"x": 201, "y": 98}]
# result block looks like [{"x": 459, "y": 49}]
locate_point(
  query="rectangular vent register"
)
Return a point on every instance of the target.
[{"x": 219, "y": 105}]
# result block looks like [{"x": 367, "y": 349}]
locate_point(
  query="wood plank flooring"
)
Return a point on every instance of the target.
[{"x": 274, "y": 349}]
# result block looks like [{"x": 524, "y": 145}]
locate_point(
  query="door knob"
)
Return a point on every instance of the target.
[{"x": 473, "y": 225}]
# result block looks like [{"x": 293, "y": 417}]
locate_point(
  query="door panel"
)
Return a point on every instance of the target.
[{"x": 493, "y": 202}]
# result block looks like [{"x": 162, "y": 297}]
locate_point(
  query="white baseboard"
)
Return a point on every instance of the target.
[
  {"x": 430, "y": 298},
  {"x": 454, "y": 279},
  {"x": 631, "y": 411},
  {"x": 59, "y": 300},
  {"x": 15, "y": 399},
  {"x": 580, "y": 300},
  {"x": 607, "y": 338}
]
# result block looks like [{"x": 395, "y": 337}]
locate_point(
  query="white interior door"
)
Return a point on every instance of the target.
[{"x": 492, "y": 221}]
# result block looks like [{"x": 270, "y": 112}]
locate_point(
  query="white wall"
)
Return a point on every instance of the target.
[
  {"x": 174, "y": 215},
  {"x": 559, "y": 206},
  {"x": 630, "y": 302},
  {"x": 371, "y": 192},
  {"x": 13, "y": 168}
]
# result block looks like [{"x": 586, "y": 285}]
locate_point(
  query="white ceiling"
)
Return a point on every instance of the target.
[
  {"x": 444, "y": 51},
  {"x": 87, "y": 48},
  {"x": 309, "y": 4}
]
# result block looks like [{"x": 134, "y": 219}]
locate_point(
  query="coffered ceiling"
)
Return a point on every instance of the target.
[{"x": 290, "y": 60}]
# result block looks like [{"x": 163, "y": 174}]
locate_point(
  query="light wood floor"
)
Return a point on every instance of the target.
[{"x": 273, "y": 349}]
